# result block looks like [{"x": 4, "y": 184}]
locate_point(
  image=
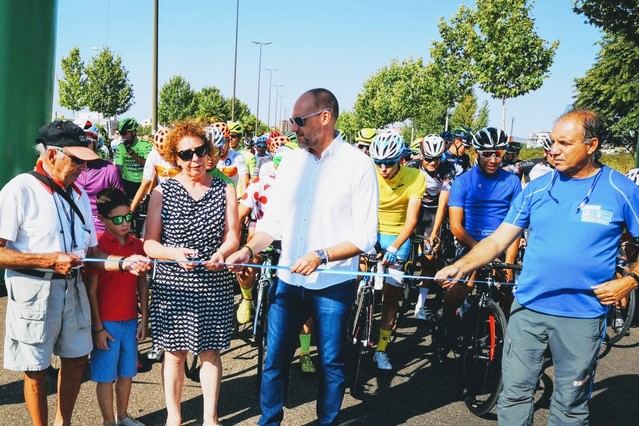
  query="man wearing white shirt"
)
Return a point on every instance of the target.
[{"x": 323, "y": 208}]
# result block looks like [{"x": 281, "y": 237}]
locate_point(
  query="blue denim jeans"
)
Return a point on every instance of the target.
[{"x": 290, "y": 308}]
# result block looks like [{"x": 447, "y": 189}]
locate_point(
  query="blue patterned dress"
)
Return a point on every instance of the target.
[{"x": 192, "y": 310}]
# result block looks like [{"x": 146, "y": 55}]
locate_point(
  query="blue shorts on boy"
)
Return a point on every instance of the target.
[{"x": 121, "y": 359}]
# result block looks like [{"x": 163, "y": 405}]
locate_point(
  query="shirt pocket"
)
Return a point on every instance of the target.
[{"x": 27, "y": 309}]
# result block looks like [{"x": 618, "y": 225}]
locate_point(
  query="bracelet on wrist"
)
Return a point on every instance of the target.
[
  {"x": 121, "y": 264},
  {"x": 634, "y": 277},
  {"x": 99, "y": 331},
  {"x": 249, "y": 249}
]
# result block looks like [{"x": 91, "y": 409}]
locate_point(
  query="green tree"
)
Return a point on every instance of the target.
[
  {"x": 611, "y": 87},
  {"x": 211, "y": 103},
  {"x": 613, "y": 16},
  {"x": 510, "y": 59},
  {"x": 177, "y": 101},
  {"x": 467, "y": 113},
  {"x": 72, "y": 85},
  {"x": 348, "y": 124},
  {"x": 108, "y": 91},
  {"x": 481, "y": 120}
]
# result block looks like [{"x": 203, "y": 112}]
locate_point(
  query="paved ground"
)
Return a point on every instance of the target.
[{"x": 419, "y": 393}]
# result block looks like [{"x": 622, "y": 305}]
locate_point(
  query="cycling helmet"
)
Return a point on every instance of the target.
[
  {"x": 513, "y": 147},
  {"x": 464, "y": 134},
  {"x": 432, "y": 146},
  {"x": 159, "y": 138},
  {"x": 223, "y": 128},
  {"x": 415, "y": 145},
  {"x": 448, "y": 137},
  {"x": 365, "y": 136},
  {"x": 91, "y": 135},
  {"x": 490, "y": 139},
  {"x": 127, "y": 125},
  {"x": 292, "y": 136},
  {"x": 248, "y": 143},
  {"x": 274, "y": 142},
  {"x": 235, "y": 128},
  {"x": 633, "y": 175},
  {"x": 387, "y": 146},
  {"x": 544, "y": 140},
  {"x": 215, "y": 136},
  {"x": 261, "y": 142}
]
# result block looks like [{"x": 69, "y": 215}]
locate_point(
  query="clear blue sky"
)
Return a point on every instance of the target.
[{"x": 335, "y": 44}]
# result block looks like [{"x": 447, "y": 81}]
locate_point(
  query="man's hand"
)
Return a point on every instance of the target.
[
  {"x": 102, "y": 340},
  {"x": 64, "y": 262},
  {"x": 243, "y": 255},
  {"x": 449, "y": 276},
  {"x": 306, "y": 264},
  {"x": 136, "y": 264},
  {"x": 143, "y": 331},
  {"x": 613, "y": 291},
  {"x": 216, "y": 262}
]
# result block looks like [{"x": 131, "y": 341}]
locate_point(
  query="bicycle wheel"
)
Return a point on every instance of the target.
[
  {"x": 260, "y": 330},
  {"x": 192, "y": 367},
  {"x": 482, "y": 357},
  {"x": 619, "y": 319},
  {"x": 360, "y": 335}
]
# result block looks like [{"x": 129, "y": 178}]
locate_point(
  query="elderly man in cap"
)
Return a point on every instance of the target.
[
  {"x": 130, "y": 156},
  {"x": 45, "y": 231}
]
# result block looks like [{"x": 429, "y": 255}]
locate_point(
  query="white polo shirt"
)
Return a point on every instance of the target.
[
  {"x": 317, "y": 204},
  {"x": 34, "y": 220}
]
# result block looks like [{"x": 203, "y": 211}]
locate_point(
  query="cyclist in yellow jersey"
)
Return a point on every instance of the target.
[{"x": 400, "y": 193}]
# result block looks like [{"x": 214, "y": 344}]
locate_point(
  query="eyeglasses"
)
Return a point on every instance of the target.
[
  {"x": 387, "y": 163},
  {"x": 118, "y": 220},
  {"x": 487, "y": 155},
  {"x": 432, "y": 159},
  {"x": 76, "y": 160},
  {"x": 301, "y": 121},
  {"x": 187, "y": 154}
]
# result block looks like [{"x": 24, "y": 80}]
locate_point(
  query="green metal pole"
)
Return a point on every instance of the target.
[{"x": 27, "y": 56}]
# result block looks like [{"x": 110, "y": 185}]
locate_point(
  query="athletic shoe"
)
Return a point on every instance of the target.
[
  {"x": 382, "y": 361},
  {"x": 306, "y": 364},
  {"x": 424, "y": 314},
  {"x": 244, "y": 311},
  {"x": 128, "y": 421},
  {"x": 155, "y": 354}
]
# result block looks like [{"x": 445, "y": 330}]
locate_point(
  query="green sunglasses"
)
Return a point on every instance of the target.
[{"x": 118, "y": 220}]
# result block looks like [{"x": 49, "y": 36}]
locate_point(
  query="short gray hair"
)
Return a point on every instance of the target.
[{"x": 42, "y": 149}]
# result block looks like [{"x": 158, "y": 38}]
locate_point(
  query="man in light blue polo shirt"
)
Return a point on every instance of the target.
[{"x": 576, "y": 216}]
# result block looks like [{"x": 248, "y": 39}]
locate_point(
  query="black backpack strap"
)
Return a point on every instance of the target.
[{"x": 48, "y": 182}]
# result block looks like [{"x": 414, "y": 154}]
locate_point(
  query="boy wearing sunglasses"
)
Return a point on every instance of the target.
[
  {"x": 400, "y": 194},
  {"x": 114, "y": 298}
]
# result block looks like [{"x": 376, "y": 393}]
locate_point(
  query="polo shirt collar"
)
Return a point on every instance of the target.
[{"x": 40, "y": 170}]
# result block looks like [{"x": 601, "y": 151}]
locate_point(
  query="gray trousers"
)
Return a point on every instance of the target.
[{"x": 574, "y": 344}]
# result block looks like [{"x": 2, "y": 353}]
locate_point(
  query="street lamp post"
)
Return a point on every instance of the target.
[
  {"x": 270, "y": 84},
  {"x": 277, "y": 99},
  {"x": 154, "y": 72},
  {"x": 237, "y": 15},
  {"x": 259, "y": 77}
]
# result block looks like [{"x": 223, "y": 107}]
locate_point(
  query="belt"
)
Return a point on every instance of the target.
[{"x": 47, "y": 275}]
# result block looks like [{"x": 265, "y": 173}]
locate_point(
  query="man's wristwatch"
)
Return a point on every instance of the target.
[
  {"x": 633, "y": 276},
  {"x": 323, "y": 255}
]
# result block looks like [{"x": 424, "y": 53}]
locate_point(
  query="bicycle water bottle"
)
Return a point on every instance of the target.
[{"x": 461, "y": 311}]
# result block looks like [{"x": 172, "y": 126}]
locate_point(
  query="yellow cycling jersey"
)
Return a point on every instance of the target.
[{"x": 394, "y": 194}]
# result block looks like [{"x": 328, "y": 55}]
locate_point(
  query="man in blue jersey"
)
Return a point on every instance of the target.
[
  {"x": 576, "y": 215},
  {"x": 478, "y": 202}
]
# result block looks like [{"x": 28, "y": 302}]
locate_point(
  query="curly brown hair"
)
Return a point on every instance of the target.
[{"x": 182, "y": 129}]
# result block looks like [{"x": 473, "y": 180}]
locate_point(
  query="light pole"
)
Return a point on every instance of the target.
[
  {"x": 237, "y": 15},
  {"x": 259, "y": 77},
  {"x": 154, "y": 71},
  {"x": 277, "y": 99},
  {"x": 270, "y": 84}
]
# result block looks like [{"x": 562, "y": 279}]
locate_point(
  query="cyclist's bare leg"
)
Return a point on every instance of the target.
[
  {"x": 210, "y": 380},
  {"x": 390, "y": 306},
  {"x": 173, "y": 369}
]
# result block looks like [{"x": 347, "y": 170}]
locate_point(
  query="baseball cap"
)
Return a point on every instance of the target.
[{"x": 65, "y": 134}]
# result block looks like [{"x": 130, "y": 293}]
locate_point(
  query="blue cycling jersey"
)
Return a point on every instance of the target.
[
  {"x": 485, "y": 199},
  {"x": 574, "y": 230}
]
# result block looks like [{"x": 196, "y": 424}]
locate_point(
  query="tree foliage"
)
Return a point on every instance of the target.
[
  {"x": 611, "y": 86},
  {"x": 348, "y": 124},
  {"x": 177, "y": 101},
  {"x": 467, "y": 113},
  {"x": 72, "y": 85},
  {"x": 108, "y": 90},
  {"x": 510, "y": 58},
  {"x": 211, "y": 103},
  {"x": 613, "y": 16}
]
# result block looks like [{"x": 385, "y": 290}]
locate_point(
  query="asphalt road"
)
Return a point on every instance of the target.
[{"x": 419, "y": 392}]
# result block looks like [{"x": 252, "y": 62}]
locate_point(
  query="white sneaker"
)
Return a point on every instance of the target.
[
  {"x": 128, "y": 421},
  {"x": 155, "y": 354},
  {"x": 420, "y": 314},
  {"x": 619, "y": 323},
  {"x": 382, "y": 361}
]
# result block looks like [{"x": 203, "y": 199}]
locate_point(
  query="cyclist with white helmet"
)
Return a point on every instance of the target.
[
  {"x": 546, "y": 165},
  {"x": 479, "y": 201},
  {"x": 439, "y": 177},
  {"x": 218, "y": 141},
  {"x": 262, "y": 155},
  {"x": 400, "y": 193},
  {"x": 459, "y": 140},
  {"x": 231, "y": 162},
  {"x": 364, "y": 139}
]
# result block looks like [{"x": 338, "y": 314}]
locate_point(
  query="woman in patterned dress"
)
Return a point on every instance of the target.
[{"x": 191, "y": 217}]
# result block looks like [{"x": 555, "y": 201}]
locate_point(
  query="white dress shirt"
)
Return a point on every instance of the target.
[{"x": 315, "y": 204}]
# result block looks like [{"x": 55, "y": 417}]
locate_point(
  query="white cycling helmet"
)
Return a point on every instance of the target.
[
  {"x": 432, "y": 146},
  {"x": 633, "y": 175},
  {"x": 490, "y": 139},
  {"x": 544, "y": 140},
  {"x": 387, "y": 146},
  {"x": 215, "y": 136}
]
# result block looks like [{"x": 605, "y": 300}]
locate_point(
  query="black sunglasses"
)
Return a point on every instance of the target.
[
  {"x": 432, "y": 159},
  {"x": 301, "y": 121},
  {"x": 387, "y": 163},
  {"x": 118, "y": 220},
  {"x": 187, "y": 154}
]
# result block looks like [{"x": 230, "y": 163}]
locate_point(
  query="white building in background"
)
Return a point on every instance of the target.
[{"x": 534, "y": 141}]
